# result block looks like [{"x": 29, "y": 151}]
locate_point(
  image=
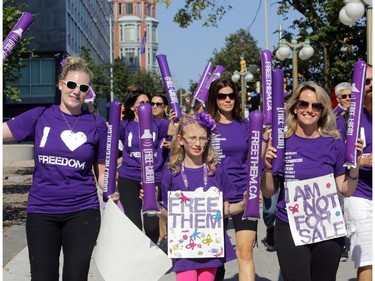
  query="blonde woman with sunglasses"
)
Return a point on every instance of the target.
[
  {"x": 63, "y": 206},
  {"x": 313, "y": 149}
]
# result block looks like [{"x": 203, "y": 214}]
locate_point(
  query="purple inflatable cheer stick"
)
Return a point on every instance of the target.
[
  {"x": 355, "y": 109},
  {"x": 168, "y": 85},
  {"x": 90, "y": 97},
  {"x": 150, "y": 205},
  {"x": 14, "y": 37},
  {"x": 339, "y": 109},
  {"x": 112, "y": 149},
  {"x": 202, "y": 81},
  {"x": 202, "y": 96},
  {"x": 266, "y": 57},
  {"x": 254, "y": 165},
  {"x": 278, "y": 120}
]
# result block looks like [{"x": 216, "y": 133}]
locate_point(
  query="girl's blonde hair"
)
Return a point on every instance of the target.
[
  {"x": 177, "y": 153},
  {"x": 327, "y": 120},
  {"x": 75, "y": 64}
]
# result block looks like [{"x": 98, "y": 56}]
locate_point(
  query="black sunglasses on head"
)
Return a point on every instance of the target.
[
  {"x": 72, "y": 85},
  {"x": 222, "y": 96},
  {"x": 316, "y": 106}
]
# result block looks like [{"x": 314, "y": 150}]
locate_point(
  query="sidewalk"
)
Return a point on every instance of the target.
[
  {"x": 266, "y": 265},
  {"x": 16, "y": 263}
]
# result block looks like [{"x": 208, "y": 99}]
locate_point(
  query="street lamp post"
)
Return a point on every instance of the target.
[
  {"x": 304, "y": 54},
  {"x": 354, "y": 10},
  {"x": 245, "y": 76}
]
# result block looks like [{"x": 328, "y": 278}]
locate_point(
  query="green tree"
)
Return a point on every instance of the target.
[
  {"x": 100, "y": 83},
  {"x": 337, "y": 46},
  {"x": 146, "y": 80},
  {"x": 209, "y": 10},
  {"x": 120, "y": 79},
  {"x": 14, "y": 63},
  {"x": 237, "y": 45}
]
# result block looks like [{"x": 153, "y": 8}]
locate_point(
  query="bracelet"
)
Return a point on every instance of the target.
[
  {"x": 265, "y": 140},
  {"x": 228, "y": 208},
  {"x": 352, "y": 178}
]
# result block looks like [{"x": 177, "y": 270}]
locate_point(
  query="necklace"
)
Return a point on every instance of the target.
[
  {"x": 184, "y": 178},
  {"x": 71, "y": 128}
]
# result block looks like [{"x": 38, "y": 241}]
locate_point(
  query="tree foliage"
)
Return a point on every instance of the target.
[
  {"x": 337, "y": 46},
  {"x": 100, "y": 83},
  {"x": 146, "y": 80},
  {"x": 210, "y": 11},
  {"x": 120, "y": 79},
  {"x": 11, "y": 67},
  {"x": 237, "y": 45}
]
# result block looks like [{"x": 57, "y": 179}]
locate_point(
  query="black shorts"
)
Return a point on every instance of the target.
[{"x": 240, "y": 224}]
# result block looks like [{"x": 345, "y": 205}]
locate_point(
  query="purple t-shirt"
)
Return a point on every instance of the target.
[
  {"x": 341, "y": 125},
  {"x": 231, "y": 143},
  {"x": 162, "y": 157},
  {"x": 364, "y": 187},
  {"x": 173, "y": 182},
  {"x": 309, "y": 158},
  {"x": 63, "y": 181},
  {"x": 131, "y": 154}
]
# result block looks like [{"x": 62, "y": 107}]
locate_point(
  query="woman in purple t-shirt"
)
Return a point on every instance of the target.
[
  {"x": 129, "y": 180},
  {"x": 230, "y": 139},
  {"x": 313, "y": 149},
  {"x": 63, "y": 206}
]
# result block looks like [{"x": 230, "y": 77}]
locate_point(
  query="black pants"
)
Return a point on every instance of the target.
[
  {"x": 129, "y": 196},
  {"x": 313, "y": 262},
  {"x": 75, "y": 232}
]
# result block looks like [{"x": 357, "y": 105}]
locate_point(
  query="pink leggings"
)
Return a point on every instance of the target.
[{"x": 201, "y": 274}]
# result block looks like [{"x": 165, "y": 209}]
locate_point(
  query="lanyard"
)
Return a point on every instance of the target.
[{"x": 184, "y": 178}]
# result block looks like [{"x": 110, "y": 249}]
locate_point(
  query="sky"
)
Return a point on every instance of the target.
[{"x": 188, "y": 50}]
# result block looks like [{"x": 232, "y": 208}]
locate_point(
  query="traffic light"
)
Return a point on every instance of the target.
[
  {"x": 285, "y": 83},
  {"x": 248, "y": 98},
  {"x": 122, "y": 116},
  {"x": 243, "y": 65}
]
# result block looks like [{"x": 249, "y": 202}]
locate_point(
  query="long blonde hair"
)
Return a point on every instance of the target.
[
  {"x": 327, "y": 120},
  {"x": 177, "y": 152}
]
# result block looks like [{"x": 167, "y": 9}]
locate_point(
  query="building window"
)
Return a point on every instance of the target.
[
  {"x": 149, "y": 10},
  {"x": 154, "y": 35},
  {"x": 130, "y": 34},
  {"x": 38, "y": 78},
  {"x": 129, "y": 8},
  {"x": 138, "y": 8},
  {"x": 121, "y": 33},
  {"x": 120, "y": 8}
]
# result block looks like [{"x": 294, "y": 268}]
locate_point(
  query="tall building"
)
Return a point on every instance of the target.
[
  {"x": 60, "y": 28},
  {"x": 135, "y": 20}
]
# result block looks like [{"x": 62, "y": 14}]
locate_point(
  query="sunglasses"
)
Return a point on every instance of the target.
[
  {"x": 158, "y": 104},
  {"x": 222, "y": 96},
  {"x": 316, "y": 106},
  {"x": 368, "y": 81},
  {"x": 345, "y": 96},
  {"x": 72, "y": 85}
]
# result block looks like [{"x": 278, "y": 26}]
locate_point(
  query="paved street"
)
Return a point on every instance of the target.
[
  {"x": 16, "y": 264},
  {"x": 266, "y": 264}
]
